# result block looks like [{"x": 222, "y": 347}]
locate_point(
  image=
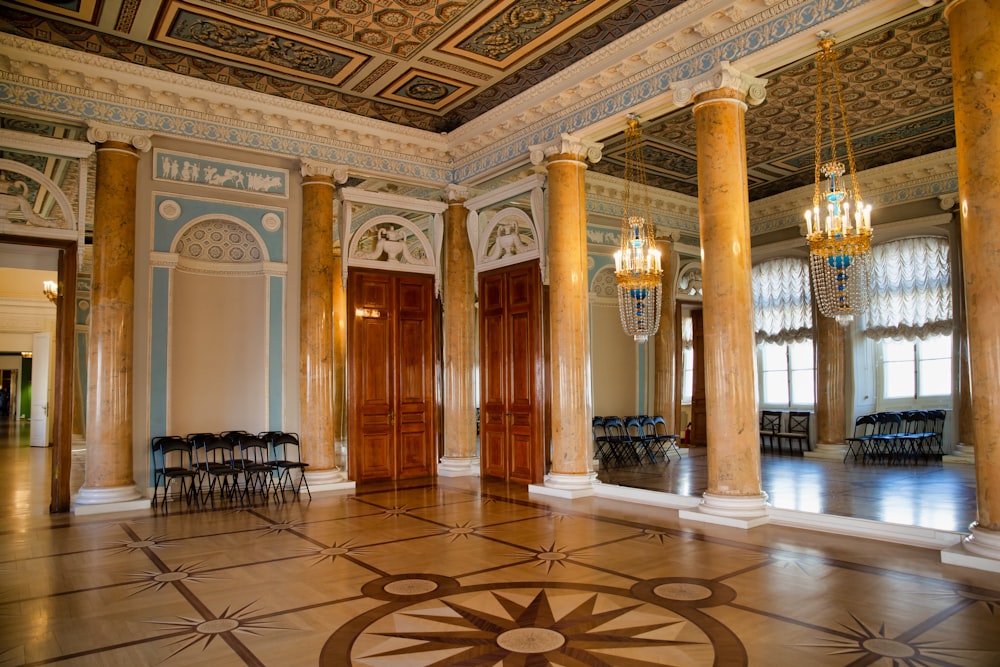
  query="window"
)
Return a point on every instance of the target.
[
  {"x": 917, "y": 369},
  {"x": 787, "y": 374},
  {"x": 687, "y": 379}
]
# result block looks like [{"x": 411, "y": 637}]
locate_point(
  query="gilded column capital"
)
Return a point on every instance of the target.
[
  {"x": 338, "y": 172},
  {"x": 99, "y": 133},
  {"x": 455, "y": 194},
  {"x": 723, "y": 77},
  {"x": 567, "y": 145}
]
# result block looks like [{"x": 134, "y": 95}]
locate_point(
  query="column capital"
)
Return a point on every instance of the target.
[
  {"x": 98, "y": 133},
  {"x": 723, "y": 76},
  {"x": 338, "y": 172},
  {"x": 567, "y": 144},
  {"x": 455, "y": 194}
]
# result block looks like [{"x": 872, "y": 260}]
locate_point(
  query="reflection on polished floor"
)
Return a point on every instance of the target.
[
  {"x": 462, "y": 572},
  {"x": 926, "y": 494}
]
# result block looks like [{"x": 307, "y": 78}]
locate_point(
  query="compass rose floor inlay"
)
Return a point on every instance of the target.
[{"x": 465, "y": 572}]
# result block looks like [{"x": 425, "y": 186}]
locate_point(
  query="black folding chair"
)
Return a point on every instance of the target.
[
  {"x": 173, "y": 459},
  {"x": 215, "y": 457},
  {"x": 285, "y": 454}
]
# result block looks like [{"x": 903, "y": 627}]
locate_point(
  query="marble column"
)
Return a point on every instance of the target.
[
  {"x": 665, "y": 341},
  {"x": 109, "y": 478},
  {"x": 964, "y": 451},
  {"x": 975, "y": 57},
  {"x": 317, "y": 386},
  {"x": 459, "y": 323},
  {"x": 339, "y": 355},
  {"x": 831, "y": 402},
  {"x": 734, "y": 496},
  {"x": 571, "y": 474}
]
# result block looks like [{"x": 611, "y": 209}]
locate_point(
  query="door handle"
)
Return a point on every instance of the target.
[{"x": 392, "y": 418}]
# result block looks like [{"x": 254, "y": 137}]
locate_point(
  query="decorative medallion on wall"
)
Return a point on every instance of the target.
[
  {"x": 169, "y": 209},
  {"x": 184, "y": 168},
  {"x": 271, "y": 222},
  {"x": 389, "y": 240}
]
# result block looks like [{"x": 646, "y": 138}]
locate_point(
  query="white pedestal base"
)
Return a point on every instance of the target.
[
  {"x": 566, "y": 486},
  {"x": 109, "y": 499},
  {"x": 980, "y": 551},
  {"x": 962, "y": 454},
  {"x": 328, "y": 480},
  {"x": 831, "y": 452},
  {"x": 733, "y": 511},
  {"x": 453, "y": 466}
]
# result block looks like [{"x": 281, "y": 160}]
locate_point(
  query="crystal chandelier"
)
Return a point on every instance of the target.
[
  {"x": 637, "y": 262},
  {"x": 839, "y": 237}
]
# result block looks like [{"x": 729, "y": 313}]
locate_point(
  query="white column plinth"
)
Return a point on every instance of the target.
[
  {"x": 734, "y": 511},
  {"x": 109, "y": 499},
  {"x": 328, "y": 480},
  {"x": 454, "y": 466},
  {"x": 979, "y": 551},
  {"x": 566, "y": 486},
  {"x": 834, "y": 451}
]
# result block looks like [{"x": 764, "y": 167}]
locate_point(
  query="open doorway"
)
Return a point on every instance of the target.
[{"x": 26, "y": 258}]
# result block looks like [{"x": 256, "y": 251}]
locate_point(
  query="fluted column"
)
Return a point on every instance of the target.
[
  {"x": 109, "y": 481},
  {"x": 572, "y": 472},
  {"x": 975, "y": 59},
  {"x": 734, "y": 494},
  {"x": 339, "y": 354},
  {"x": 317, "y": 386},
  {"x": 831, "y": 403},
  {"x": 459, "y": 323},
  {"x": 665, "y": 341}
]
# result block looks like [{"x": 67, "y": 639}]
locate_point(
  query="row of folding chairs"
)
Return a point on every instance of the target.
[
  {"x": 632, "y": 440},
  {"x": 897, "y": 437},
  {"x": 233, "y": 466}
]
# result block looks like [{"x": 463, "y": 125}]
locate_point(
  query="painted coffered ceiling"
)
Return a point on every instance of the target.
[
  {"x": 444, "y": 65},
  {"x": 428, "y": 64}
]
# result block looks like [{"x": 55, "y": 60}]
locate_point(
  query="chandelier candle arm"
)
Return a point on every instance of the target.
[{"x": 839, "y": 242}]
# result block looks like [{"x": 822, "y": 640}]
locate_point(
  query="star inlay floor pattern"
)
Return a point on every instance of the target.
[{"x": 467, "y": 572}]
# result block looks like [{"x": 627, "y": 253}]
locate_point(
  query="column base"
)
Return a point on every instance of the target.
[
  {"x": 979, "y": 551},
  {"x": 733, "y": 511},
  {"x": 833, "y": 451},
  {"x": 457, "y": 466},
  {"x": 962, "y": 454},
  {"x": 562, "y": 485},
  {"x": 328, "y": 480},
  {"x": 108, "y": 499}
]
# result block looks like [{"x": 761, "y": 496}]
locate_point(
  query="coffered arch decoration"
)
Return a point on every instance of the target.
[
  {"x": 217, "y": 244},
  {"x": 604, "y": 285},
  {"x": 509, "y": 237}
]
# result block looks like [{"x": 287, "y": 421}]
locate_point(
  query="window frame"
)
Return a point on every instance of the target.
[
  {"x": 789, "y": 373},
  {"x": 917, "y": 402}
]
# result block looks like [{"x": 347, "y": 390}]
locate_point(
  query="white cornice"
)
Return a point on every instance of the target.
[
  {"x": 77, "y": 72},
  {"x": 928, "y": 174}
]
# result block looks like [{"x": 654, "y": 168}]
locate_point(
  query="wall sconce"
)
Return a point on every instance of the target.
[{"x": 50, "y": 289}]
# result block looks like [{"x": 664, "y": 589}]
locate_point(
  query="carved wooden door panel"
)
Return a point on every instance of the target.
[
  {"x": 511, "y": 374},
  {"x": 391, "y": 376}
]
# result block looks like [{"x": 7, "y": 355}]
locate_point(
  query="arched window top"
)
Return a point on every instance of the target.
[
  {"x": 782, "y": 301},
  {"x": 911, "y": 289}
]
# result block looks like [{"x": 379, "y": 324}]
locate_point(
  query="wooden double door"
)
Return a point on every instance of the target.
[
  {"x": 391, "y": 361},
  {"x": 512, "y": 374}
]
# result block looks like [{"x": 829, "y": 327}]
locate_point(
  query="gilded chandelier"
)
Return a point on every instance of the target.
[
  {"x": 637, "y": 262},
  {"x": 839, "y": 237}
]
